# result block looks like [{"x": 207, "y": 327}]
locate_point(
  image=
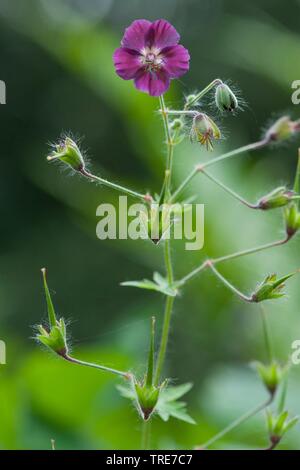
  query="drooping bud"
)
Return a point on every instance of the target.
[
  {"x": 292, "y": 220},
  {"x": 278, "y": 425},
  {"x": 270, "y": 288},
  {"x": 54, "y": 335},
  {"x": 204, "y": 130},
  {"x": 271, "y": 375},
  {"x": 279, "y": 197},
  {"x": 282, "y": 129},
  {"x": 225, "y": 98},
  {"x": 147, "y": 393},
  {"x": 68, "y": 152}
]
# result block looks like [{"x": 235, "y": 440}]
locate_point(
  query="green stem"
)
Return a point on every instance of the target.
[
  {"x": 237, "y": 254},
  {"x": 237, "y": 422},
  {"x": 225, "y": 156},
  {"x": 115, "y": 186},
  {"x": 203, "y": 92},
  {"x": 146, "y": 434},
  {"x": 230, "y": 191},
  {"x": 96, "y": 366},
  {"x": 266, "y": 334},
  {"x": 229, "y": 285},
  {"x": 167, "y": 254},
  {"x": 297, "y": 176}
]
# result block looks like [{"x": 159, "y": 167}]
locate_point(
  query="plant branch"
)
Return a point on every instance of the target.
[
  {"x": 266, "y": 334},
  {"x": 203, "y": 92},
  {"x": 237, "y": 254},
  {"x": 115, "y": 186},
  {"x": 237, "y": 422},
  {"x": 200, "y": 167},
  {"x": 72, "y": 359},
  {"x": 228, "y": 284}
]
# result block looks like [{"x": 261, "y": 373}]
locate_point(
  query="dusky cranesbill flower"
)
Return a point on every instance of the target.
[{"x": 151, "y": 56}]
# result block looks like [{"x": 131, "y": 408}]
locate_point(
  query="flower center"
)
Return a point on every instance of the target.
[{"x": 152, "y": 59}]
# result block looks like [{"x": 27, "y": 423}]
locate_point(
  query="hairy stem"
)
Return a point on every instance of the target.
[
  {"x": 237, "y": 422},
  {"x": 115, "y": 186},
  {"x": 167, "y": 254},
  {"x": 203, "y": 92},
  {"x": 96, "y": 366}
]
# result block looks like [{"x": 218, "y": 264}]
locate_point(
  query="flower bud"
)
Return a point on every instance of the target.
[
  {"x": 190, "y": 99},
  {"x": 270, "y": 288},
  {"x": 292, "y": 220},
  {"x": 68, "y": 152},
  {"x": 279, "y": 197},
  {"x": 225, "y": 98},
  {"x": 147, "y": 393},
  {"x": 204, "y": 130},
  {"x": 53, "y": 336},
  {"x": 278, "y": 425},
  {"x": 271, "y": 375},
  {"x": 282, "y": 129},
  {"x": 176, "y": 125}
]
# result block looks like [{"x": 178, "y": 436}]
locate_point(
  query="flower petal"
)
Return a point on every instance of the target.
[
  {"x": 162, "y": 34},
  {"x": 127, "y": 62},
  {"x": 176, "y": 60},
  {"x": 135, "y": 34},
  {"x": 153, "y": 83}
]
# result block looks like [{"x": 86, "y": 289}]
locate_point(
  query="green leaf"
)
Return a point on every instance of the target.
[
  {"x": 159, "y": 284},
  {"x": 173, "y": 393}
]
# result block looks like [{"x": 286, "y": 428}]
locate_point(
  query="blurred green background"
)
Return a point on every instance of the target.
[{"x": 56, "y": 62}]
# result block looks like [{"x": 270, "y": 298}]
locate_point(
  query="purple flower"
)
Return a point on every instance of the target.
[{"x": 151, "y": 56}]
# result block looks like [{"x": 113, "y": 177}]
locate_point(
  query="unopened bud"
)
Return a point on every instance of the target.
[
  {"x": 225, "y": 98},
  {"x": 278, "y": 425},
  {"x": 54, "y": 335},
  {"x": 204, "y": 130},
  {"x": 270, "y": 288},
  {"x": 68, "y": 152},
  {"x": 282, "y": 129},
  {"x": 279, "y": 197},
  {"x": 292, "y": 220},
  {"x": 176, "y": 125}
]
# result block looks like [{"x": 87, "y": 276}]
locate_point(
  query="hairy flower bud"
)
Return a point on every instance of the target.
[
  {"x": 270, "y": 288},
  {"x": 68, "y": 152},
  {"x": 176, "y": 125},
  {"x": 54, "y": 335},
  {"x": 204, "y": 130},
  {"x": 225, "y": 98},
  {"x": 282, "y": 129},
  {"x": 279, "y": 197}
]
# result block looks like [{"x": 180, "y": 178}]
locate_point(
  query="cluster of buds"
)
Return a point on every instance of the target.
[
  {"x": 270, "y": 288},
  {"x": 278, "y": 425},
  {"x": 68, "y": 152},
  {"x": 54, "y": 334},
  {"x": 271, "y": 375},
  {"x": 146, "y": 391}
]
